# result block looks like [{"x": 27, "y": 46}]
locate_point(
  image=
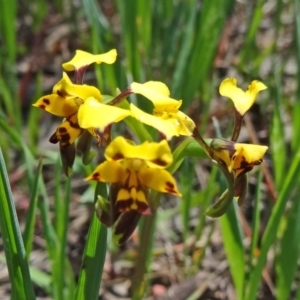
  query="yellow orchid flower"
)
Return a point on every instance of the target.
[
  {"x": 242, "y": 100},
  {"x": 83, "y": 59},
  {"x": 136, "y": 168},
  {"x": 238, "y": 157},
  {"x": 166, "y": 118},
  {"x": 93, "y": 114},
  {"x": 81, "y": 107}
]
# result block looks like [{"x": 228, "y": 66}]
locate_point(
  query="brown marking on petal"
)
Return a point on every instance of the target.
[
  {"x": 42, "y": 106},
  {"x": 159, "y": 162},
  {"x": 62, "y": 130},
  {"x": 65, "y": 138},
  {"x": 53, "y": 139},
  {"x": 245, "y": 164},
  {"x": 118, "y": 156},
  {"x": 73, "y": 124},
  {"x": 142, "y": 206},
  {"x": 62, "y": 94},
  {"x": 124, "y": 204},
  {"x": 96, "y": 176},
  {"x": 244, "y": 170},
  {"x": 46, "y": 101},
  {"x": 170, "y": 187}
]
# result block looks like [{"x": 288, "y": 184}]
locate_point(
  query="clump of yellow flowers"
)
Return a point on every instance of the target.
[{"x": 132, "y": 170}]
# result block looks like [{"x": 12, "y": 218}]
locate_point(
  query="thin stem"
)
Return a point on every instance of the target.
[
  {"x": 202, "y": 143},
  {"x": 237, "y": 126},
  {"x": 138, "y": 286},
  {"x": 79, "y": 74},
  {"x": 121, "y": 96}
]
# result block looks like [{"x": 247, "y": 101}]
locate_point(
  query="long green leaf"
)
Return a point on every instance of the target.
[
  {"x": 256, "y": 218},
  {"x": 272, "y": 226},
  {"x": 289, "y": 252},
  {"x": 296, "y": 108},
  {"x": 94, "y": 256},
  {"x": 233, "y": 243},
  {"x": 12, "y": 240},
  {"x": 207, "y": 34},
  {"x": 277, "y": 134},
  {"x": 31, "y": 213}
]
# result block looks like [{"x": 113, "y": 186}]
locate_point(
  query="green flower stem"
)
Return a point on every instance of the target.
[
  {"x": 139, "y": 285},
  {"x": 221, "y": 206},
  {"x": 202, "y": 143},
  {"x": 237, "y": 126},
  {"x": 123, "y": 95}
]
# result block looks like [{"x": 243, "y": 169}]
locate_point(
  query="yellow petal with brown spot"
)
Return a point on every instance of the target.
[
  {"x": 57, "y": 105},
  {"x": 133, "y": 198},
  {"x": 159, "y": 180},
  {"x": 66, "y": 133},
  {"x": 247, "y": 155},
  {"x": 109, "y": 171},
  {"x": 156, "y": 154},
  {"x": 66, "y": 88}
]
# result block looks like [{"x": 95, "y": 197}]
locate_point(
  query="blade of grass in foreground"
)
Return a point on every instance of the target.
[
  {"x": 94, "y": 255},
  {"x": 296, "y": 107},
  {"x": 277, "y": 132},
  {"x": 64, "y": 279},
  {"x": 272, "y": 226},
  {"x": 213, "y": 16},
  {"x": 286, "y": 262},
  {"x": 31, "y": 213},
  {"x": 233, "y": 243},
  {"x": 54, "y": 250},
  {"x": 12, "y": 240},
  {"x": 256, "y": 220}
]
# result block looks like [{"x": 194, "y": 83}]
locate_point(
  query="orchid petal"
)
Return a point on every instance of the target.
[
  {"x": 66, "y": 88},
  {"x": 169, "y": 129},
  {"x": 158, "y": 154},
  {"x": 82, "y": 59},
  {"x": 94, "y": 114},
  {"x": 66, "y": 133},
  {"x": 57, "y": 105},
  {"x": 109, "y": 171},
  {"x": 159, "y": 180},
  {"x": 247, "y": 155},
  {"x": 241, "y": 100},
  {"x": 158, "y": 93}
]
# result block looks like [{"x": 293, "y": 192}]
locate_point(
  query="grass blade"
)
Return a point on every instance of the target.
[
  {"x": 277, "y": 142},
  {"x": 128, "y": 12},
  {"x": 12, "y": 240},
  {"x": 272, "y": 226},
  {"x": 256, "y": 217},
  {"x": 296, "y": 108},
  {"x": 94, "y": 256},
  {"x": 233, "y": 243},
  {"x": 212, "y": 16},
  {"x": 286, "y": 262},
  {"x": 31, "y": 213}
]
